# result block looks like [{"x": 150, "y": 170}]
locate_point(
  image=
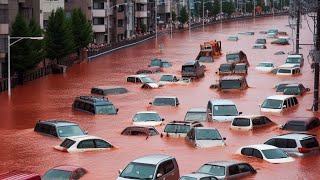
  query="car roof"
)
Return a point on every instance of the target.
[
  {"x": 183, "y": 122},
  {"x": 57, "y": 123},
  {"x": 232, "y": 78},
  {"x": 198, "y": 175},
  {"x": 221, "y": 102},
  {"x": 83, "y": 137},
  {"x": 303, "y": 119},
  {"x": 138, "y": 75},
  {"x": 225, "y": 163},
  {"x": 288, "y": 82},
  {"x": 140, "y": 127},
  {"x": 260, "y": 146},
  {"x": 107, "y": 87},
  {"x": 206, "y": 128},
  {"x": 289, "y": 66},
  {"x": 95, "y": 99},
  {"x": 165, "y": 97},
  {"x": 152, "y": 159},
  {"x": 66, "y": 167},
  {"x": 144, "y": 112},
  {"x": 295, "y": 136},
  {"x": 295, "y": 55},
  {"x": 19, "y": 175},
  {"x": 280, "y": 97},
  {"x": 293, "y": 85},
  {"x": 190, "y": 63},
  {"x": 241, "y": 64},
  {"x": 197, "y": 110},
  {"x": 249, "y": 116}
]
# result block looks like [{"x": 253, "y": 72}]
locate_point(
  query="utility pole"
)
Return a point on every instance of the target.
[
  {"x": 298, "y": 26},
  {"x": 316, "y": 64}
]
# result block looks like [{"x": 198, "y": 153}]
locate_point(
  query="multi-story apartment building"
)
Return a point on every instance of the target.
[
  {"x": 84, "y": 5},
  {"x": 141, "y": 14}
]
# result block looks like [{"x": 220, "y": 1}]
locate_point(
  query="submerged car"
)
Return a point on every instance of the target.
[
  {"x": 159, "y": 62},
  {"x": 261, "y": 41},
  {"x": 221, "y": 110},
  {"x": 241, "y": 68},
  {"x": 198, "y": 176},
  {"x": 147, "y": 118},
  {"x": 237, "y": 57},
  {"x": 172, "y": 79},
  {"x": 94, "y": 105},
  {"x": 271, "y": 35},
  {"x": 233, "y": 38},
  {"x": 281, "y": 86},
  {"x": 165, "y": 101},
  {"x": 247, "y": 33},
  {"x": 279, "y": 103},
  {"x": 65, "y": 173},
  {"x": 147, "y": 82},
  {"x": 296, "y": 144},
  {"x": 259, "y": 46},
  {"x": 140, "y": 131},
  {"x": 150, "y": 70},
  {"x": 265, "y": 66},
  {"x": 226, "y": 68},
  {"x": 287, "y": 70},
  {"x": 266, "y": 152},
  {"x": 231, "y": 83},
  {"x": 203, "y": 137},
  {"x": 281, "y": 41},
  {"x": 296, "y": 59},
  {"x": 179, "y": 129},
  {"x": 295, "y": 89},
  {"x": 196, "y": 114},
  {"x": 108, "y": 90},
  {"x": 301, "y": 124},
  {"x": 227, "y": 169},
  {"x": 250, "y": 122}
]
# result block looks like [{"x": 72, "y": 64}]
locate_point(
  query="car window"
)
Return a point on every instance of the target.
[
  {"x": 244, "y": 168},
  {"x": 271, "y": 142},
  {"x": 81, "y": 172},
  {"x": 102, "y": 144},
  {"x": 241, "y": 122},
  {"x": 234, "y": 170},
  {"x": 153, "y": 132},
  {"x": 130, "y": 79},
  {"x": 247, "y": 151},
  {"x": 53, "y": 131},
  {"x": 86, "y": 144},
  {"x": 295, "y": 100},
  {"x": 309, "y": 143},
  {"x": 281, "y": 143},
  {"x": 291, "y": 143},
  {"x": 67, "y": 143},
  {"x": 266, "y": 120},
  {"x": 165, "y": 167},
  {"x": 191, "y": 135},
  {"x": 256, "y": 153},
  {"x": 208, "y": 178},
  {"x": 256, "y": 122},
  {"x": 75, "y": 175}
]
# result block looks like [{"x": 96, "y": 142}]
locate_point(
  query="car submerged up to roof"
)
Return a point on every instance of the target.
[
  {"x": 143, "y": 79},
  {"x": 179, "y": 129},
  {"x": 301, "y": 124},
  {"x": 296, "y": 59},
  {"x": 108, "y": 90},
  {"x": 172, "y": 79},
  {"x": 94, "y": 105},
  {"x": 196, "y": 114},
  {"x": 20, "y": 175},
  {"x": 231, "y": 83},
  {"x": 149, "y": 70},
  {"x": 140, "y": 131},
  {"x": 65, "y": 172},
  {"x": 281, "y": 41},
  {"x": 221, "y": 110},
  {"x": 203, "y": 137},
  {"x": 265, "y": 66},
  {"x": 159, "y": 62},
  {"x": 261, "y": 41},
  {"x": 281, "y": 86},
  {"x": 237, "y": 57},
  {"x": 295, "y": 89},
  {"x": 165, "y": 101},
  {"x": 147, "y": 118},
  {"x": 233, "y": 38},
  {"x": 250, "y": 122}
]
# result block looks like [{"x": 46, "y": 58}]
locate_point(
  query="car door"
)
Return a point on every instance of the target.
[{"x": 167, "y": 171}]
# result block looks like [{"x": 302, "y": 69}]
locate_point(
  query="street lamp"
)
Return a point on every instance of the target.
[
  {"x": 108, "y": 9},
  {"x": 9, "y": 61}
]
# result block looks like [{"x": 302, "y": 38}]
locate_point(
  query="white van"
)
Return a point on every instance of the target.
[
  {"x": 250, "y": 122},
  {"x": 221, "y": 110},
  {"x": 287, "y": 70},
  {"x": 278, "y": 103}
]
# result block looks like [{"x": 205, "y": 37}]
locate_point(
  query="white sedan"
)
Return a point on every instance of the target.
[
  {"x": 83, "y": 143},
  {"x": 172, "y": 79},
  {"x": 265, "y": 66},
  {"x": 268, "y": 153},
  {"x": 147, "y": 118}
]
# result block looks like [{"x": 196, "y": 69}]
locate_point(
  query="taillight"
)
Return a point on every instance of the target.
[
  {"x": 303, "y": 150},
  {"x": 64, "y": 150}
]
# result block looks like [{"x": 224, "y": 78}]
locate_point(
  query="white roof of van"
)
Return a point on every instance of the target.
[
  {"x": 221, "y": 102},
  {"x": 280, "y": 97},
  {"x": 139, "y": 75}
]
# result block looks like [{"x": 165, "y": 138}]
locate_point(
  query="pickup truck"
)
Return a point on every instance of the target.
[{"x": 192, "y": 69}]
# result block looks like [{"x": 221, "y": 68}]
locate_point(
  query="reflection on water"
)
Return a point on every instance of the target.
[{"x": 51, "y": 98}]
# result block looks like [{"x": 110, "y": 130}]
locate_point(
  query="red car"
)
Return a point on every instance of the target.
[
  {"x": 64, "y": 172},
  {"x": 20, "y": 175}
]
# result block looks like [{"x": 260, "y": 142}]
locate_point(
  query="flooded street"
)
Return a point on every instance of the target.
[{"x": 52, "y": 96}]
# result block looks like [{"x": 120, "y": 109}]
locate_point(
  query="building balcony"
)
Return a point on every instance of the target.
[
  {"x": 141, "y": 14},
  {"x": 141, "y": 1},
  {"x": 98, "y": 13},
  {"x": 4, "y": 28},
  {"x": 99, "y": 28}
]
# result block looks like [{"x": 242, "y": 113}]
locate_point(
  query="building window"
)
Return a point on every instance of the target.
[
  {"x": 98, "y": 21},
  {"x": 67, "y": 1},
  {"x": 121, "y": 8},
  {"x": 120, "y": 23},
  {"x": 98, "y": 5},
  {"x": 140, "y": 7},
  {"x": 4, "y": 19}
]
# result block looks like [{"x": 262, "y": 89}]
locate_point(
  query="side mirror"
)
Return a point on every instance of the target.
[
  {"x": 307, "y": 89},
  {"x": 216, "y": 72},
  {"x": 284, "y": 106},
  {"x": 86, "y": 132},
  {"x": 117, "y": 110},
  {"x": 120, "y": 171},
  {"x": 162, "y": 119},
  {"x": 214, "y": 86},
  {"x": 149, "y": 65},
  {"x": 224, "y": 138},
  {"x": 159, "y": 175},
  {"x": 240, "y": 113},
  {"x": 178, "y": 103},
  {"x": 210, "y": 114},
  {"x": 259, "y": 105},
  {"x": 150, "y": 103}
]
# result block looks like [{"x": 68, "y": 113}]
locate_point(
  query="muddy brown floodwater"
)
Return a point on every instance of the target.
[{"x": 52, "y": 96}]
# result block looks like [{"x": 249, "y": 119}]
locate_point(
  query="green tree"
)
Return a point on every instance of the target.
[
  {"x": 249, "y": 7},
  {"x": 23, "y": 57},
  {"x": 38, "y": 46},
  {"x": 228, "y": 8},
  {"x": 174, "y": 16},
  {"x": 215, "y": 8},
  {"x": 184, "y": 17},
  {"x": 81, "y": 29},
  {"x": 143, "y": 27},
  {"x": 59, "y": 38}
]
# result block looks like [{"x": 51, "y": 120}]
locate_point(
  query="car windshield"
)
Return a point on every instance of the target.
[
  {"x": 295, "y": 126},
  {"x": 230, "y": 84},
  {"x": 264, "y": 65},
  {"x": 272, "y": 104},
  {"x": 164, "y": 102},
  {"x": 225, "y": 110},
  {"x": 260, "y": 41},
  {"x": 309, "y": 143},
  {"x": 155, "y": 62},
  {"x": 241, "y": 122},
  {"x": 281, "y": 87},
  {"x": 187, "y": 68},
  {"x": 166, "y": 78},
  {"x": 56, "y": 174},
  {"x": 293, "y": 60},
  {"x": 240, "y": 67},
  {"x": 187, "y": 178},
  {"x": 196, "y": 116},
  {"x": 146, "y": 80},
  {"x": 207, "y": 134},
  {"x": 177, "y": 128},
  {"x": 212, "y": 169},
  {"x": 285, "y": 71},
  {"x": 225, "y": 67},
  {"x": 66, "y": 131},
  {"x": 138, "y": 171},
  {"x": 166, "y": 64},
  {"x": 291, "y": 91},
  {"x": 233, "y": 57},
  {"x": 106, "y": 109},
  {"x": 274, "y": 153},
  {"x": 147, "y": 117}
]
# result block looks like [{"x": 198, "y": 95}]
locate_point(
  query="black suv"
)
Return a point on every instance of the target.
[
  {"x": 58, "y": 128},
  {"x": 94, "y": 105}
]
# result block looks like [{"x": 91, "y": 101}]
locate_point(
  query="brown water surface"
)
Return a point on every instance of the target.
[{"x": 51, "y": 98}]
